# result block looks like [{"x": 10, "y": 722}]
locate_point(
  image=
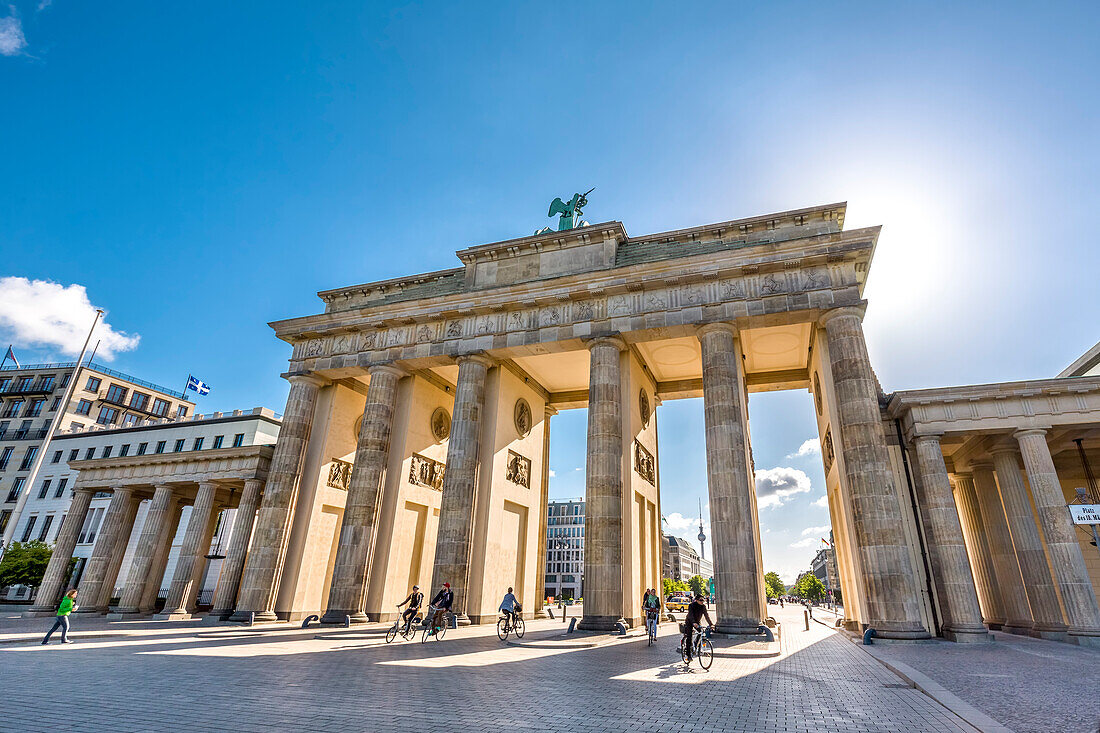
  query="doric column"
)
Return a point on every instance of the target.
[
  {"x": 1078, "y": 596},
  {"x": 260, "y": 580},
  {"x": 977, "y": 546},
  {"x": 544, "y": 504},
  {"x": 1006, "y": 567},
  {"x": 603, "y": 509},
  {"x": 893, "y": 601},
  {"x": 348, "y": 589},
  {"x": 962, "y": 616},
  {"x": 154, "y": 579},
  {"x": 733, "y": 519},
  {"x": 110, "y": 580},
  {"x": 95, "y": 572},
  {"x": 182, "y": 591},
  {"x": 57, "y": 572},
  {"x": 225, "y": 596},
  {"x": 146, "y": 550},
  {"x": 1046, "y": 614},
  {"x": 456, "y": 511}
]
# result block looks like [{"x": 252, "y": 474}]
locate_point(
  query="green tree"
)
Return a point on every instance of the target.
[
  {"x": 698, "y": 585},
  {"x": 671, "y": 586},
  {"x": 25, "y": 563},
  {"x": 810, "y": 588},
  {"x": 773, "y": 585}
]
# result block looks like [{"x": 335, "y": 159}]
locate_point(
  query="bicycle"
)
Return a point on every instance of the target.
[
  {"x": 399, "y": 627},
  {"x": 701, "y": 648},
  {"x": 651, "y": 628},
  {"x": 439, "y": 632},
  {"x": 510, "y": 622}
]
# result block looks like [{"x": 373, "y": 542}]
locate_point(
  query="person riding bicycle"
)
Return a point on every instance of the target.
[
  {"x": 652, "y": 607},
  {"x": 413, "y": 600},
  {"x": 509, "y": 606},
  {"x": 697, "y": 610},
  {"x": 442, "y": 604}
]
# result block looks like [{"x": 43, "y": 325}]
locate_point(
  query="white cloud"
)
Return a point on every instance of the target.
[
  {"x": 808, "y": 542},
  {"x": 817, "y": 531},
  {"x": 43, "y": 4},
  {"x": 775, "y": 485},
  {"x": 808, "y": 448},
  {"x": 12, "y": 41},
  {"x": 40, "y": 313},
  {"x": 552, "y": 473},
  {"x": 822, "y": 502},
  {"x": 579, "y": 468},
  {"x": 677, "y": 521}
]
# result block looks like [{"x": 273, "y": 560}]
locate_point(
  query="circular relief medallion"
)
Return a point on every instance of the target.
[
  {"x": 643, "y": 407},
  {"x": 522, "y": 416},
  {"x": 356, "y": 428},
  {"x": 441, "y": 424},
  {"x": 817, "y": 392}
]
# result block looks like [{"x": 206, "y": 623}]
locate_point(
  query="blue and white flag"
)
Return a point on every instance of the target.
[{"x": 197, "y": 385}]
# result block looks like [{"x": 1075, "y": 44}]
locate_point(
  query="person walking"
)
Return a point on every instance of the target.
[{"x": 68, "y": 605}]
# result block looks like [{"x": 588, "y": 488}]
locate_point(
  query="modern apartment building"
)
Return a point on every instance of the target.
[
  {"x": 32, "y": 395},
  {"x": 681, "y": 561},
  {"x": 51, "y": 495},
  {"x": 565, "y": 548}
]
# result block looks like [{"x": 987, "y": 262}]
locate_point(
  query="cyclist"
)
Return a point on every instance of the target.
[
  {"x": 414, "y": 600},
  {"x": 442, "y": 604},
  {"x": 509, "y": 606},
  {"x": 697, "y": 611},
  {"x": 652, "y": 607}
]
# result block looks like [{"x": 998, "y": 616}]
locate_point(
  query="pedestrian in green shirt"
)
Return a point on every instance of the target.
[{"x": 68, "y": 605}]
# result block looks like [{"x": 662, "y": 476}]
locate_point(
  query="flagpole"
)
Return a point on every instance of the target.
[
  {"x": 5, "y": 361},
  {"x": 13, "y": 520},
  {"x": 186, "y": 384}
]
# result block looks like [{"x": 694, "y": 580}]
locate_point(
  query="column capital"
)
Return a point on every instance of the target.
[
  {"x": 963, "y": 475},
  {"x": 166, "y": 487},
  {"x": 387, "y": 368},
  {"x": 856, "y": 311},
  {"x": 982, "y": 464},
  {"x": 549, "y": 411},
  {"x": 730, "y": 328},
  {"x": 254, "y": 480},
  {"x": 928, "y": 438},
  {"x": 1024, "y": 432},
  {"x": 305, "y": 378},
  {"x": 1003, "y": 448},
  {"x": 478, "y": 357},
  {"x": 211, "y": 484},
  {"x": 608, "y": 340}
]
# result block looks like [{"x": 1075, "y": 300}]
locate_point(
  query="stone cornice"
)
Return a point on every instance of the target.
[{"x": 217, "y": 464}]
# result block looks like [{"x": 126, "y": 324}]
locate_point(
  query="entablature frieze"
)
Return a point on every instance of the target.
[{"x": 222, "y": 465}]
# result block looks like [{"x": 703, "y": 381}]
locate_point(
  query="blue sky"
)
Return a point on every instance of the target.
[{"x": 201, "y": 169}]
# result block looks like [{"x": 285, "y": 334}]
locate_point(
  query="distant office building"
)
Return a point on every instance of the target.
[
  {"x": 681, "y": 561},
  {"x": 565, "y": 548},
  {"x": 825, "y": 568},
  {"x": 31, "y": 396}
]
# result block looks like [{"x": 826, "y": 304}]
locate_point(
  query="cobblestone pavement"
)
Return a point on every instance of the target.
[
  {"x": 186, "y": 677},
  {"x": 1027, "y": 684}
]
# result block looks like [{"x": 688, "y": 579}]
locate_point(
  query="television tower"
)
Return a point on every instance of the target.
[{"x": 702, "y": 535}]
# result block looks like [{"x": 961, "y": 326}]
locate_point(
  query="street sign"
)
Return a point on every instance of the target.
[{"x": 1085, "y": 513}]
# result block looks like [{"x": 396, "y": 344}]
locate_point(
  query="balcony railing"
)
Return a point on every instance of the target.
[
  {"x": 95, "y": 367},
  {"x": 36, "y": 434}
]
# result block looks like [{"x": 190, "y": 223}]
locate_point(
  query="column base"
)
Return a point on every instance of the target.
[
  {"x": 994, "y": 625},
  {"x": 1090, "y": 639},
  {"x": 221, "y": 614},
  {"x": 599, "y": 623},
  {"x": 179, "y": 615},
  {"x": 903, "y": 631},
  {"x": 1048, "y": 635},
  {"x": 261, "y": 617},
  {"x": 125, "y": 615},
  {"x": 1017, "y": 627},
  {"x": 39, "y": 612},
  {"x": 541, "y": 613},
  {"x": 738, "y": 627},
  {"x": 83, "y": 611},
  {"x": 336, "y": 617},
  {"x": 967, "y": 636}
]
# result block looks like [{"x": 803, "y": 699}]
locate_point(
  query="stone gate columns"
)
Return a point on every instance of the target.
[
  {"x": 225, "y": 595},
  {"x": 1038, "y": 584},
  {"x": 733, "y": 521},
  {"x": 114, "y": 527},
  {"x": 893, "y": 601},
  {"x": 57, "y": 572},
  {"x": 1078, "y": 596},
  {"x": 1006, "y": 568},
  {"x": 260, "y": 580},
  {"x": 164, "y": 540},
  {"x": 110, "y": 581},
  {"x": 182, "y": 591},
  {"x": 981, "y": 561},
  {"x": 456, "y": 510},
  {"x": 603, "y": 519},
  {"x": 357, "y": 531},
  {"x": 544, "y": 504},
  {"x": 144, "y": 553},
  {"x": 962, "y": 616}
]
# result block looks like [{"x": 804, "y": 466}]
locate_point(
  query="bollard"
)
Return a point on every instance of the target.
[
  {"x": 572, "y": 625},
  {"x": 550, "y": 612},
  {"x": 251, "y": 618},
  {"x": 308, "y": 619},
  {"x": 347, "y": 622},
  {"x": 806, "y": 614},
  {"x": 620, "y": 628},
  {"x": 868, "y": 635}
]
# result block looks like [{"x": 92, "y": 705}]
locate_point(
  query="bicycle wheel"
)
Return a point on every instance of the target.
[
  {"x": 705, "y": 654},
  {"x": 426, "y": 635},
  {"x": 683, "y": 650},
  {"x": 392, "y": 633},
  {"x": 520, "y": 628},
  {"x": 443, "y": 629},
  {"x": 502, "y": 628}
]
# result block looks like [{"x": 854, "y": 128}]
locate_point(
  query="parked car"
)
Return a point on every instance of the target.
[{"x": 677, "y": 602}]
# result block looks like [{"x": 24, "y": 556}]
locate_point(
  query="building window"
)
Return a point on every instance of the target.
[
  {"x": 13, "y": 408},
  {"x": 179, "y": 445},
  {"x": 24, "y": 428},
  {"x": 5, "y": 382},
  {"x": 160, "y": 446},
  {"x": 65, "y": 379},
  {"x": 91, "y": 526},
  {"x": 36, "y": 407},
  {"x": 76, "y": 426},
  {"x": 24, "y": 384},
  {"x": 181, "y": 411},
  {"x": 56, "y": 404},
  {"x": 218, "y": 440},
  {"x": 197, "y": 444},
  {"x": 29, "y": 528},
  {"x": 238, "y": 440},
  {"x": 124, "y": 450},
  {"x": 92, "y": 385},
  {"x": 56, "y": 457},
  {"x": 45, "y": 528},
  {"x": 5, "y": 457},
  {"x": 46, "y": 383},
  {"x": 83, "y": 407},
  {"x": 89, "y": 454},
  {"x": 73, "y": 454},
  {"x": 28, "y": 458},
  {"x": 60, "y": 488},
  {"x": 107, "y": 416},
  {"x": 160, "y": 407},
  {"x": 59, "y": 526},
  {"x": 129, "y": 421},
  {"x": 139, "y": 400},
  {"x": 107, "y": 451},
  {"x": 117, "y": 394},
  {"x": 44, "y": 490},
  {"x": 142, "y": 448}
]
